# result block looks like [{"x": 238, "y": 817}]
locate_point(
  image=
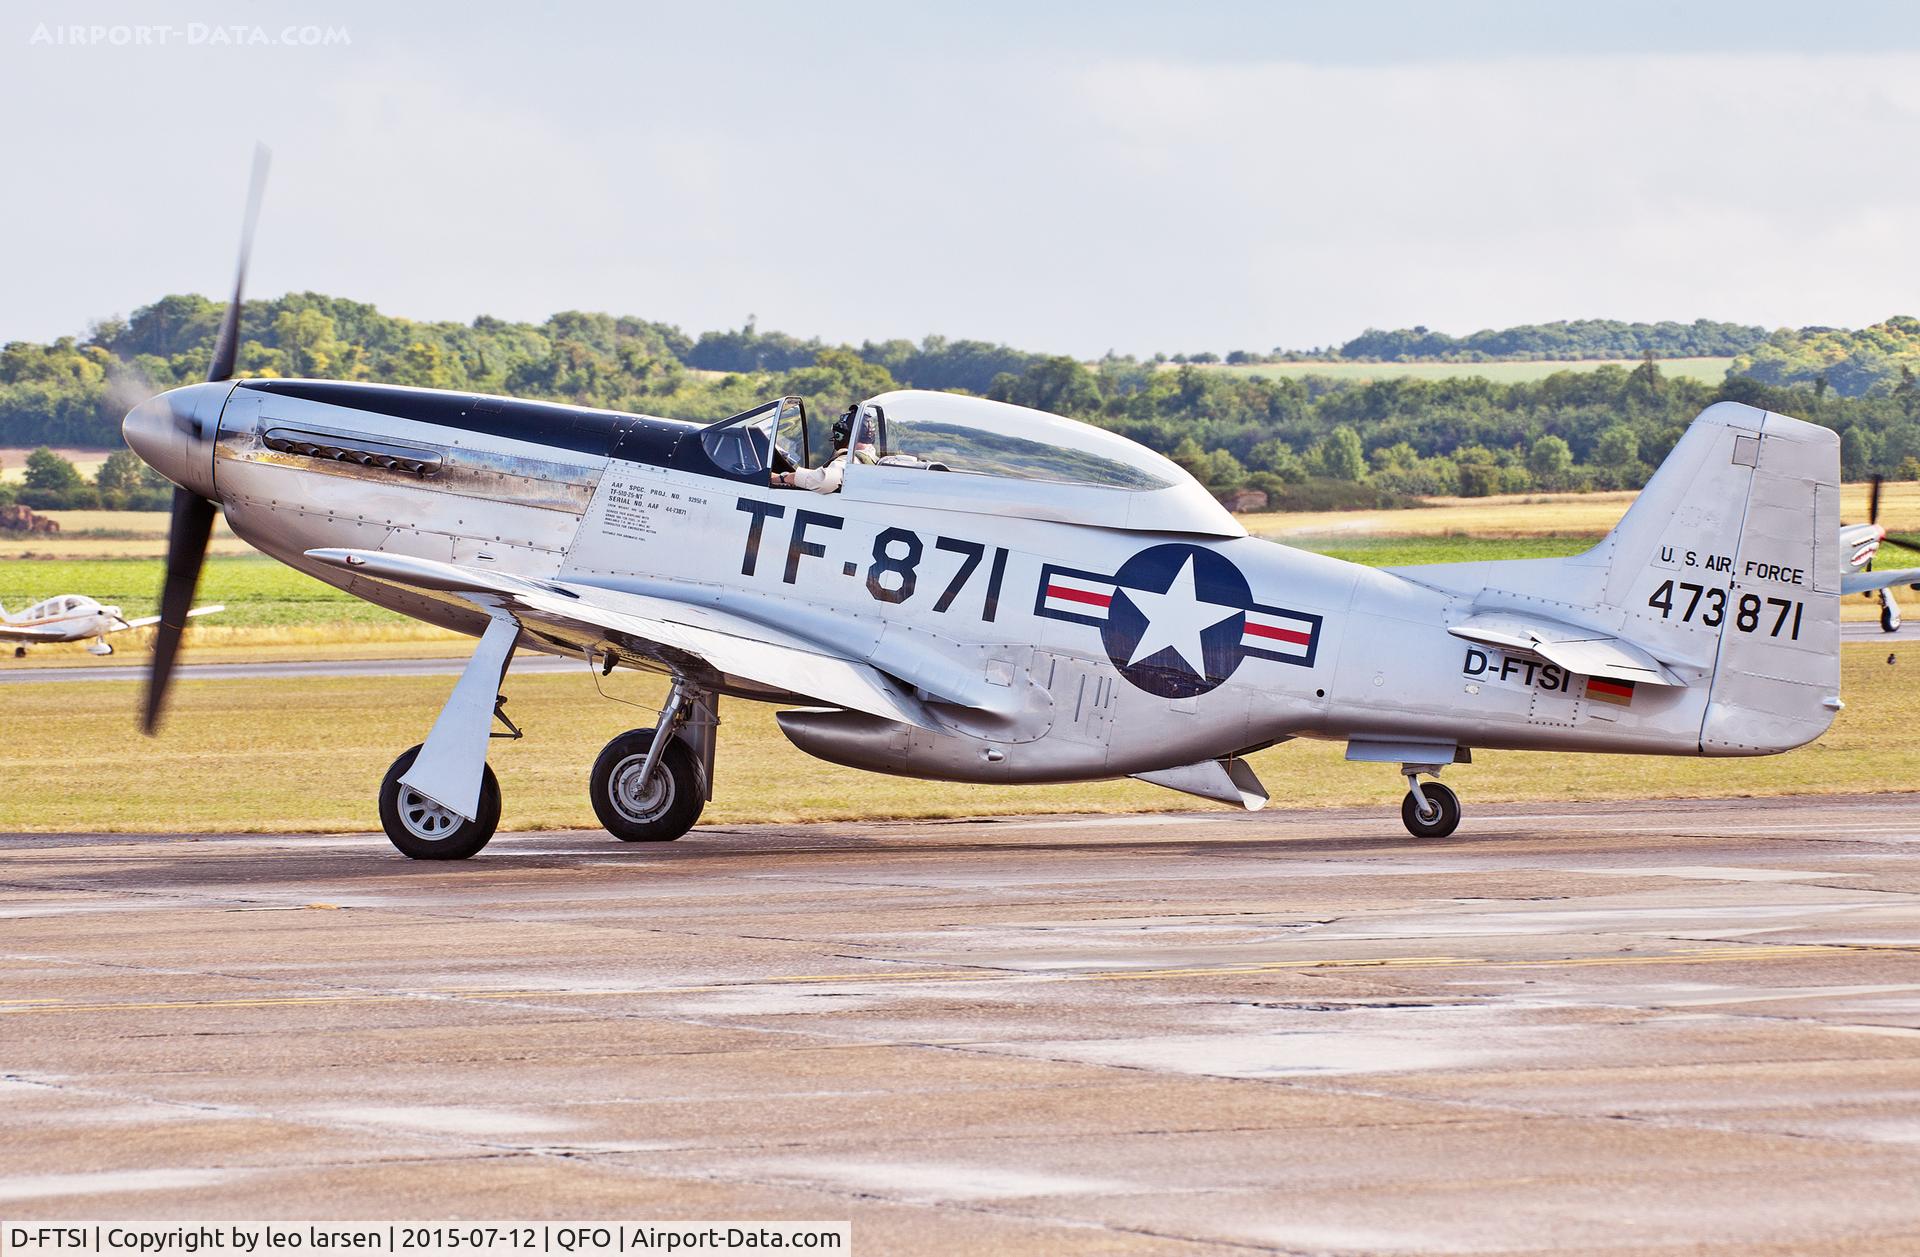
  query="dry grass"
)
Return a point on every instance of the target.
[
  {"x": 110, "y": 535},
  {"x": 13, "y": 461},
  {"x": 210, "y": 642},
  {"x": 308, "y": 753},
  {"x": 1537, "y": 515}
]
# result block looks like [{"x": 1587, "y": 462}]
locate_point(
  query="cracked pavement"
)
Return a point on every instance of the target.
[{"x": 1669, "y": 1027}]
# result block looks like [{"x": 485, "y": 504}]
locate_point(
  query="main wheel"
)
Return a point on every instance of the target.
[
  {"x": 1443, "y": 817},
  {"x": 422, "y": 829},
  {"x": 660, "y": 810},
  {"x": 1889, "y": 618}
]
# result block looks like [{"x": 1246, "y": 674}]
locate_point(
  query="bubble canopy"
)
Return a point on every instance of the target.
[{"x": 968, "y": 453}]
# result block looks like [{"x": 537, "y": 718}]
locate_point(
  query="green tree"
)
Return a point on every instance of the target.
[
  {"x": 120, "y": 473},
  {"x": 307, "y": 339},
  {"x": 1223, "y": 472},
  {"x": 1856, "y": 453},
  {"x": 1618, "y": 446},
  {"x": 47, "y": 472},
  {"x": 1550, "y": 461},
  {"x": 1340, "y": 455},
  {"x": 836, "y": 378},
  {"x": 1276, "y": 458},
  {"x": 1191, "y": 456}
]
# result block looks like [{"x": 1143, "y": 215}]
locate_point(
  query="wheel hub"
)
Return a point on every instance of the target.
[
  {"x": 637, "y": 800},
  {"x": 424, "y": 818}
]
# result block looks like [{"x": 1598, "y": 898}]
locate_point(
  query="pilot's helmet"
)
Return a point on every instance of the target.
[{"x": 843, "y": 428}]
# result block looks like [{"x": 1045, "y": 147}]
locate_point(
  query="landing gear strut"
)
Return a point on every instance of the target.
[
  {"x": 1889, "y": 612},
  {"x": 1430, "y": 810},
  {"x": 650, "y": 785}
]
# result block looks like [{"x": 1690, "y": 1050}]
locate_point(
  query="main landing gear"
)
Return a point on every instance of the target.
[
  {"x": 1430, "y": 810},
  {"x": 650, "y": 785}
]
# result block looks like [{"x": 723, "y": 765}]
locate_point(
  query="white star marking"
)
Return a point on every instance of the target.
[{"x": 1176, "y": 618}]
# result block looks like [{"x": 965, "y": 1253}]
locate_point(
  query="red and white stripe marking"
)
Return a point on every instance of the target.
[
  {"x": 1277, "y": 634},
  {"x": 1076, "y": 595}
]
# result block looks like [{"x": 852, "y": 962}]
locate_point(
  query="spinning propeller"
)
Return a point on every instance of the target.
[
  {"x": 192, "y": 522},
  {"x": 1873, "y": 517}
]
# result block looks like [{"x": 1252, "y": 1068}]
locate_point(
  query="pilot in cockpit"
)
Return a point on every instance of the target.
[{"x": 827, "y": 479}]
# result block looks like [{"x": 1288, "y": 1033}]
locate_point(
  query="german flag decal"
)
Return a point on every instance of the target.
[{"x": 1601, "y": 690}]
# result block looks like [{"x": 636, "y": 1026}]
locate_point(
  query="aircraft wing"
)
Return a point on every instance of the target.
[
  {"x": 728, "y": 643},
  {"x": 145, "y": 620},
  {"x": 1588, "y": 652},
  {"x": 1867, "y": 582},
  {"x": 22, "y": 633}
]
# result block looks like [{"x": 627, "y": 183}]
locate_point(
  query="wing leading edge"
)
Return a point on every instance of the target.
[{"x": 726, "y": 642}]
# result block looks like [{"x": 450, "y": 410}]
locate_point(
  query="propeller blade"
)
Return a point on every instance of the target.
[
  {"x": 1873, "y": 502},
  {"x": 1908, "y": 542},
  {"x": 187, "y": 535},
  {"x": 192, "y": 522},
  {"x": 226, "y": 346}
]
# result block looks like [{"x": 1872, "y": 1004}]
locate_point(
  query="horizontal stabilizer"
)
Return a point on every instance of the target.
[
  {"x": 1223, "y": 780},
  {"x": 1587, "y": 652},
  {"x": 1867, "y": 582},
  {"x": 146, "y": 620}
]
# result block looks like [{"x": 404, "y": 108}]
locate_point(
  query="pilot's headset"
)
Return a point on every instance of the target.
[{"x": 843, "y": 436}]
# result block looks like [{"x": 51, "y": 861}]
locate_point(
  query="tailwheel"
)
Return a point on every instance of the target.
[
  {"x": 1437, "y": 817},
  {"x": 424, "y": 830},
  {"x": 643, "y": 797}
]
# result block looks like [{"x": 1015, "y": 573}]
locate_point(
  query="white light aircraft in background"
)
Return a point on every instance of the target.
[
  {"x": 73, "y": 618},
  {"x": 993, "y": 594}
]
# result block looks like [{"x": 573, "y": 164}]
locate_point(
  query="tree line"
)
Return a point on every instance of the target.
[{"x": 1304, "y": 440}]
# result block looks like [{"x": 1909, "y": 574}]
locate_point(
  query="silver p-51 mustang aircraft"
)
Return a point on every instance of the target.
[
  {"x": 1859, "y": 546},
  {"x": 73, "y": 618},
  {"x": 993, "y": 594}
]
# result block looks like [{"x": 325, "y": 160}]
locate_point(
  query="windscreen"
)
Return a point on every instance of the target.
[{"x": 948, "y": 443}]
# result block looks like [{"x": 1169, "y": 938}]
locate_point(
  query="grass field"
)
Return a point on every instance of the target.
[
  {"x": 257, "y": 591},
  {"x": 1538, "y": 515},
  {"x": 302, "y": 754},
  {"x": 1710, "y": 370},
  {"x": 13, "y": 461}
]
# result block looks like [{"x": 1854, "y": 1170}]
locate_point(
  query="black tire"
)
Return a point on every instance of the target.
[
  {"x": 425, "y": 831},
  {"x": 1889, "y": 618},
  {"x": 670, "y": 805},
  {"x": 1445, "y": 803}
]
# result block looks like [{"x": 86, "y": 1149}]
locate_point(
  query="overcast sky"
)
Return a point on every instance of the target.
[{"x": 1064, "y": 177}]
